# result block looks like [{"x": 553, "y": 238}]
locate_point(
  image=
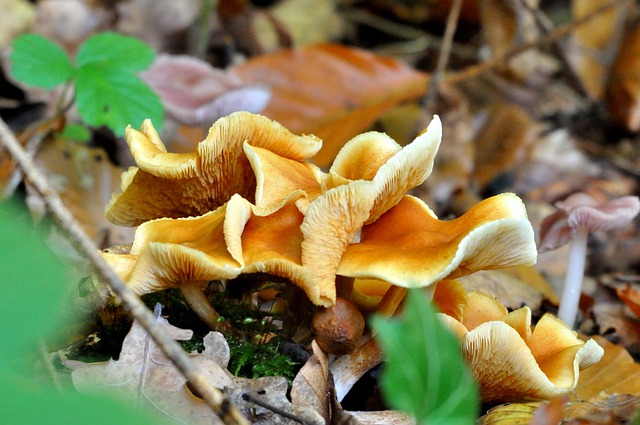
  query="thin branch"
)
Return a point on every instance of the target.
[
  {"x": 212, "y": 396},
  {"x": 553, "y": 36},
  {"x": 545, "y": 26},
  {"x": 443, "y": 58}
]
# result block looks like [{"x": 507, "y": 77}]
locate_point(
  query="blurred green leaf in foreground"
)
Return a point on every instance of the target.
[
  {"x": 425, "y": 374},
  {"x": 32, "y": 288}
]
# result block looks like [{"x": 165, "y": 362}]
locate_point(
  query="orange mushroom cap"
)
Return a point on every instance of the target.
[
  {"x": 334, "y": 218},
  {"x": 512, "y": 362},
  {"x": 181, "y": 185},
  {"x": 407, "y": 246}
]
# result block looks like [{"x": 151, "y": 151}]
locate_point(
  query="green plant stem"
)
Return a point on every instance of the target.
[
  {"x": 62, "y": 106},
  {"x": 219, "y": 403},
  {"x": 203, "y": 29}
]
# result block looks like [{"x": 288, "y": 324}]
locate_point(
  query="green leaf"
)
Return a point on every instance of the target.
[
  {"x": 34, "y": 283},
  {"x": 75, "y": 132},
  {"x": 115, "y": 99},
  {"x": 33, "y": 404},
  {"x": 38, "y": 62},
  {"x": 425, "y": 373},
  {"x": 115, "y": 51}
]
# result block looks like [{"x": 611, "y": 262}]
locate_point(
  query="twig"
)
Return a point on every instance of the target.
[
  {"x": 443, "y": 58},
  {"x": 545, "y": 25},
  {"x": 212, "y": 396},
  {"x": 558, "y": 33}
]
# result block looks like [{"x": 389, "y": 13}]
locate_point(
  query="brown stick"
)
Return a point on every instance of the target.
[
  {"x": 551, "y": 37},
  {"x": 212, "y": 396},
  {"x": 443, "y": 58}
]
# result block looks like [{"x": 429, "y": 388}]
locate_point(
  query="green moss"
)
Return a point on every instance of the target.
[{"x": 250, "y": 360}]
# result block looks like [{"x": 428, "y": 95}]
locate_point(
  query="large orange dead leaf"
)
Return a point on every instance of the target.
[
  {"x": 592, "y": 44},
  {"x": 623, "y": 89},
  {"x": 615, "y": 373},
  {"x": 332, "y": 91}
]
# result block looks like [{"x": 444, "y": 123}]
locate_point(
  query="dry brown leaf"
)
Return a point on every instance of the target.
[
  {"x": 506, "y": 24},
  {"x": 17, "y": 16},
  {"x": 509, "y": 290},
  {"x": 306, "y": 21},
  {"x": 613, "y": 410},
  {"x": 85, "y": 179},
  {"x": 550, "y": 413},
  {"x": 503, "y": 143},
  {"x": 630, "y": 295},
  {"x": 70, "y": 22},
  {"x": 144, "y": 375},
  {"x": 593, "y": 44},
  {"x": 332, "y": 91},
  {"x": 252, "y": 396},
  {"x": 615, "y": 373},
  {"x": 154, "y": 20},
  {"x": 311, "y": 387},
  {"x": 510, "y": 414},
  {"x": 623, "y": 88}
]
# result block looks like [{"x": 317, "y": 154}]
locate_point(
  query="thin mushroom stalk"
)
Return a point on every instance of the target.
[
  {"x": 197, "y": 300},
  {"x": 568, "y": 311}
]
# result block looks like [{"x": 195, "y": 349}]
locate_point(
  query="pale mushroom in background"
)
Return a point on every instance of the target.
[
  {"x": 195, "y": 93},
  {"x": 580, "y": 214}
]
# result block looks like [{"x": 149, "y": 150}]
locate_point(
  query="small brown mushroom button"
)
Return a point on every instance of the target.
[{"x": 338, "y": 329}]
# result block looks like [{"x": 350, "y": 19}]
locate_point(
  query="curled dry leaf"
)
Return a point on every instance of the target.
[
  {"x": 630, "y": 295},
  {"x": 312, "y": 385},
  {"x": 348, "y": 369},
  {"x": 145, "y": 376}
]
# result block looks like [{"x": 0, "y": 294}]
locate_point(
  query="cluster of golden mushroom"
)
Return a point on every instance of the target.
[{"x": 249, "y": 200}]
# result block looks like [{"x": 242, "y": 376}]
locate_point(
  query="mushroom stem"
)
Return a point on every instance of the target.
[
  {"x": 573, "y": 281},
  {"x": 197, "y": 300}
]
